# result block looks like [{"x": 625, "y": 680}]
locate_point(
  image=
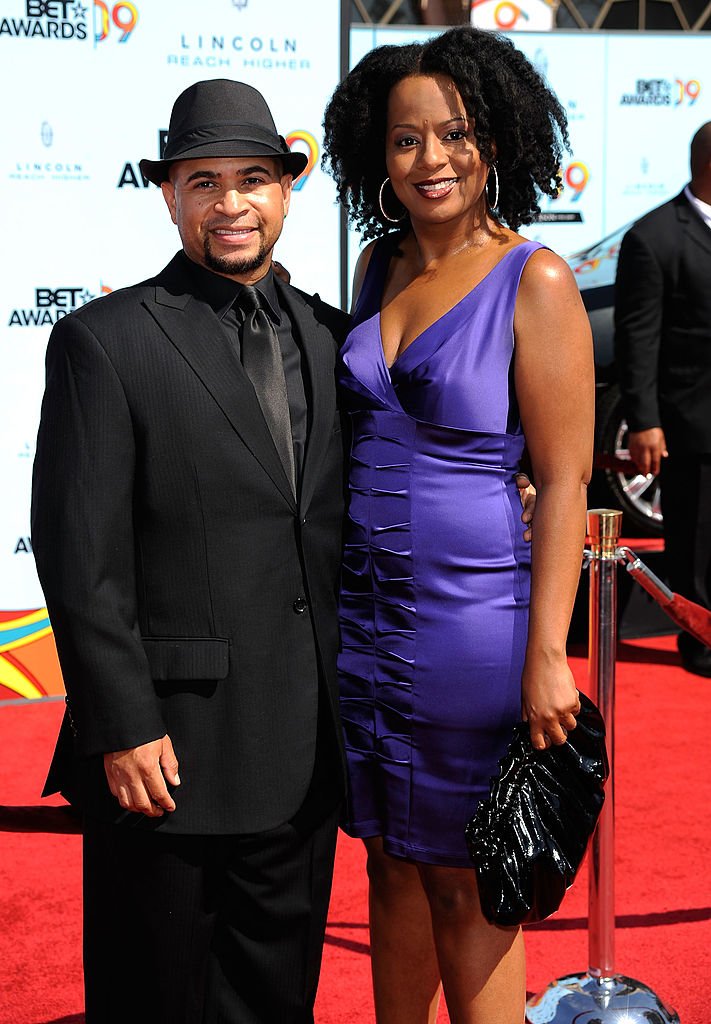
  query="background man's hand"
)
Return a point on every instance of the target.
[
  {"x": 137, "y": 777},
  {"x": 647, "y": 449}
]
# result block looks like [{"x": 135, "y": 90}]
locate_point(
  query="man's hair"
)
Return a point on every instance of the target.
[
  {"x": 700, "y": 151},
  {"x": 518, "y": 121}
]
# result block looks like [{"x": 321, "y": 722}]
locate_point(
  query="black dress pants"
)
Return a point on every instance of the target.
[
  {"x": 182, "y": 929},
  {"x": 686, "y": 504}
]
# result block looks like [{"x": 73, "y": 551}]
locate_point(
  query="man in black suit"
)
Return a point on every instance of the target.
[
  {"x": 187, "y": 504},
  {"x": 663, "y": 346}
]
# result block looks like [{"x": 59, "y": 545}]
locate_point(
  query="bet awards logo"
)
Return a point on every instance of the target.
[
  {"x": 662, "y": 92},
  {"x": 68, "y": 19},
  {"x": 48, "y": 19},
  {"x": 51, "y": 304},
  {"x": 131, "y": 175}
]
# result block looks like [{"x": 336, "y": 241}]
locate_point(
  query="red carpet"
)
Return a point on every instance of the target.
[{"x": 663, "y": 802}]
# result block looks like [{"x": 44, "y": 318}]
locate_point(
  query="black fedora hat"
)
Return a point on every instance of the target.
[{"x": 221, "y": 117}]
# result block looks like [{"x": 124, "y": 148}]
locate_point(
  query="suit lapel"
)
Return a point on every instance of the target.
[
  {"x": 192, "y": 327},
  {"x": 318, "y": 348},
  {"x": 693, "y": 225}
]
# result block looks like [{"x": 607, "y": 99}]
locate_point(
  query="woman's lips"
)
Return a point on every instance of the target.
[{"x": 436, "y": 188}]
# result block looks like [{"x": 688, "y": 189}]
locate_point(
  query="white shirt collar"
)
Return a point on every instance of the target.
[{"x": 703, "y": 209}]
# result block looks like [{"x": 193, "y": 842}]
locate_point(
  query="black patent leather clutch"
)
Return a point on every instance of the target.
[{"x": 527, "y": 840}]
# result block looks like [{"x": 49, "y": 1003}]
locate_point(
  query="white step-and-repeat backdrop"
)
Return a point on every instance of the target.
[
  {"x": 88, "y": 86},
  {"x": 87, "y": 89},
  {"x": 633, "y": 100}
]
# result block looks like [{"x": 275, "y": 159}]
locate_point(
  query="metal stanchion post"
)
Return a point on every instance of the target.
[
  {"x": 603, "y": 533},
  {"x": 599, "y": 995}
]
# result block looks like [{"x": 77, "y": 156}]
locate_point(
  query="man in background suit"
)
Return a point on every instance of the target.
[
  {"x": 663, "y": 348},
  {"x": 187, "y": 504}
]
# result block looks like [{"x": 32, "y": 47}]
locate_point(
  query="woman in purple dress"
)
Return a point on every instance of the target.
[{"x": 468, "y": 342}]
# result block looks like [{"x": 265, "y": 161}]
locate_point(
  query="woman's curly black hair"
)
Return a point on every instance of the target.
[{"x": 516, "y": 116}]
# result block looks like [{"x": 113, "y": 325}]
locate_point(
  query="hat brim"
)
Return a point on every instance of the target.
[{"x": 157, "y": 171}]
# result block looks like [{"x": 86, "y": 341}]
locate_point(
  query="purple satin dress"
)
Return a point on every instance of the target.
[{"x": 436, "y": 573}]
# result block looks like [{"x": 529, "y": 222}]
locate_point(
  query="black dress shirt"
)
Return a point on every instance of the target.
[{"x": 222, "y": 294}]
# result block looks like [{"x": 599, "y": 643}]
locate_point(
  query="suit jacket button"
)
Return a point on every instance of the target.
[{"x": 300, "y": 605}]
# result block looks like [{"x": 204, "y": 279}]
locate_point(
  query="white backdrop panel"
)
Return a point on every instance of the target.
[
  {"x": 88, "y": 88},
  {"x": 574, "y": 219},
  {"x": 626, "y": 157},
  {"x": 658, "y": 94}
]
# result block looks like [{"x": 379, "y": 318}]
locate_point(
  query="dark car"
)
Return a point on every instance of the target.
[{"x": 616, "y": 482}]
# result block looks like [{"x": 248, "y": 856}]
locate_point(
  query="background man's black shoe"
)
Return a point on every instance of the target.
[{"x": 694, "y": 656}]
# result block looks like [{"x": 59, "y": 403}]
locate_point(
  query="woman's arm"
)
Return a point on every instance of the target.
[{"x": 555, "y": 387}]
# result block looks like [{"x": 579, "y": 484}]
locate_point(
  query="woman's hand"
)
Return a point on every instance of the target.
[
  {"x": 527, "y": 494},
  {"x": 550, "y": 700}
]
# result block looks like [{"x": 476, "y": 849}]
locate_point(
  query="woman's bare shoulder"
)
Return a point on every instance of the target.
[
  {"x": 546, "y": 274},
  {"x": 549, "y": 310}
]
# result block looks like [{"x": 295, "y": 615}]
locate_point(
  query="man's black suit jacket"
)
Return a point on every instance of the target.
[
  {"x": 663, "y": 325},
  {"x": 185, "y": 585}
]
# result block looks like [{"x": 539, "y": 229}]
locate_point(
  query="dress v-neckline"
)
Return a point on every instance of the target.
[{"x": 390, "y": 367}]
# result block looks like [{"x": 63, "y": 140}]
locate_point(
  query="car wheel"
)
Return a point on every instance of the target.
[{"x": 638, "y": 496}]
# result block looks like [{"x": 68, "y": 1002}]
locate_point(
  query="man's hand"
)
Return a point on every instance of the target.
[
  {"x": 137, "y": 777},
  {"x": 527, "y": 493},
  {"x": 647, "y": 449}
]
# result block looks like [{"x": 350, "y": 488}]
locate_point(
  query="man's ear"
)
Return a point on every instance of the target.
[
  {"x": 287, "y": 182},
  {"x": 168, "y": 190}
]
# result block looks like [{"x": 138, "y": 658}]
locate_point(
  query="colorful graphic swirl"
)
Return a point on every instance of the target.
[
  {"x": 28, "y": 658},
  {"x": 124, "y": 16},
  {"x": 577, "y": 176},
  {"x": 301, "y": 135},
  {"x": 506, "y": 14},
  {"x": 690, "y": 91}
]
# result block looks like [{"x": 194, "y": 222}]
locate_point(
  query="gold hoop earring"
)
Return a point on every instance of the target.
[{"x": 393, "y": 220}]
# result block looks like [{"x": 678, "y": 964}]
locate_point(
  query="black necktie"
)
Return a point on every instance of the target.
[{"x": 261, "y": 358}]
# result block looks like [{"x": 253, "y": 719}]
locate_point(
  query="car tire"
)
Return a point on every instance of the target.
[{"x": 616, "y": 479}]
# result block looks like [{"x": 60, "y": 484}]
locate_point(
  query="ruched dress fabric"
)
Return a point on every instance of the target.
[{"x": 436, "y": 573}]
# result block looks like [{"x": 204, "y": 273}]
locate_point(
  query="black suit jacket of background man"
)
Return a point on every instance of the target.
[
  {"x": 663, "y": 325},
  {"x": 184, "y": 582}
]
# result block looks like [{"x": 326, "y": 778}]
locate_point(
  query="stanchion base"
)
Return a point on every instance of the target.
[{"x": 583, "y": 999}]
